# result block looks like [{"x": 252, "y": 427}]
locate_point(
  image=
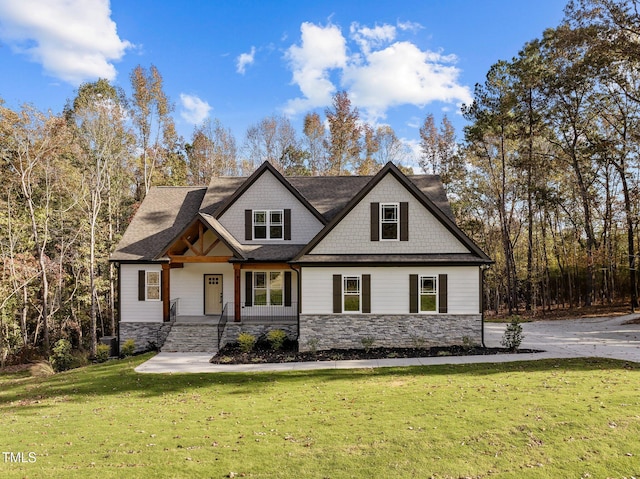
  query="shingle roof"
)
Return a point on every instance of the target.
[
  {"x": 166, "y": 211},
  {"x": 163, "y": 214},
  {"x": 404, "y": 259}
]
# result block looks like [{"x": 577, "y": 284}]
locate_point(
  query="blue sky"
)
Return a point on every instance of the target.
[{"x": 241, "y": 61}]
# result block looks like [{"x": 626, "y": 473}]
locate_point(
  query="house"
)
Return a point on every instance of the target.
[{"x": 329, "y": 260}]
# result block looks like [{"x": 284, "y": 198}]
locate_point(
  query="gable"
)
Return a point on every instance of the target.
[
  {"x": 426, "y": 233},
  {"x": 267, "y": 192}
]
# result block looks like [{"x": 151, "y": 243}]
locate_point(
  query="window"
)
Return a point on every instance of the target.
[
  {"x": 268, "y": 224},
  {"x": 268, "y": 288},
  {"x": 428, "y": 293},
  {"x": 153, "y": 286},
  {"x": 389, "y": 221},
  {"x": 351, "y": 293}
]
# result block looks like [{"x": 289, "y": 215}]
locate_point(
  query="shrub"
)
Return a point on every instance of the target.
[
  {"x": 367, "y": 343},
  {"x": 103, "y": 351},
  {"x": 418, "y": 341},
  {"x": 246, "y": 341},
  {"x": 467, "y": 343},
  {"x": 512, "y": 336},
  {"x": 62, "y": 358},
  {"x": 41, "y": 369},
  {"x": 276, "y": 338},
  {"x": 312, "y": 344},
  {"x": 128, "y": 348}
]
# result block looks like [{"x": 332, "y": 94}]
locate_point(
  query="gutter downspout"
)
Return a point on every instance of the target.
[
  {"x": 119, "y": 303},
  {"x": 299, "y": 305},
  {"x": 482, "y": 270}
]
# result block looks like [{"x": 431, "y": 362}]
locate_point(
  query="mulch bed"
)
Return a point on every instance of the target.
[{"x": 232, "y": 354}]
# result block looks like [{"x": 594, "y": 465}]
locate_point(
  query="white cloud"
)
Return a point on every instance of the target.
[
  {"x": 245, "y": 59},
  {"x": 194, "y": 110},
  {"x": 322, "y": 49},
  {"x": 368, "y": 38},
  {"x": 379, "y": 72},
  {"x": 403, "y": 74},
  {"x": 74, "y": 40}
]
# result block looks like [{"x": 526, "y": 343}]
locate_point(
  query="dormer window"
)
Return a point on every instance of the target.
[{"x": 268, "y": 224}]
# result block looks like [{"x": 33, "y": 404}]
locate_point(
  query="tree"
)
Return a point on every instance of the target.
[
  {"x": 32, "y": 145},
  {"x": 609, "y": 33},
  {"x": 491, "y": 145},
  {"x": 212, "y": 152},
  {"x": 99, "y": 117},
  {"x": 151, "y": 111},
  {"x": 269, "y": 140},
  {"x": 343, "y": 144},
  {"x": 390, "y": 148},
  {"x": 439, "y": 152},
  {"x": 314, "y": 141},
  {"x": 570, "y": 82}
]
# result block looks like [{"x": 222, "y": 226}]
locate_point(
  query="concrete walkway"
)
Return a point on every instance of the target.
[{"x": 591, "y": 337}]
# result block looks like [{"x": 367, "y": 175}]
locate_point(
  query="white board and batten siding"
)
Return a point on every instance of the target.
[
  {"x": 353, "y": 234},
  {"x": 267, "y": 193},
  {"x": 133, "y": 310},
  {"x": 390, "y": 288}
]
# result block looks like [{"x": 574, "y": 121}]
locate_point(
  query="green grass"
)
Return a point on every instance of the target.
[{"x": 544, "y": 419}]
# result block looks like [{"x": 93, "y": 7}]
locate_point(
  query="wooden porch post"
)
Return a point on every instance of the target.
[
  {"x": 236, "y": 292},
  {"x": 166, "y": 296}
]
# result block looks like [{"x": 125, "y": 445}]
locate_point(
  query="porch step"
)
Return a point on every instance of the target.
[{"x": 192, "y": 337}]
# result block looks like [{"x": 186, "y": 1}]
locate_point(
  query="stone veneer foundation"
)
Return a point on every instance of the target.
[
  {"x": 145, "y": 335},
  {"x": 232, "y": 330},
  {"x": 346, "y": 331}
]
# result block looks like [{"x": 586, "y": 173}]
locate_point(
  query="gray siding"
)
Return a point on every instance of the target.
[
  {"x": 268, "y": 193},
  {"x": 353, "y": 234}
]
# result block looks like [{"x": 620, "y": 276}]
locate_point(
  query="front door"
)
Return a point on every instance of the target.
[{"x": 212, "y": 294}]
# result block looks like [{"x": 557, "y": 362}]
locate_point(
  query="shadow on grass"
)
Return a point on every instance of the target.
[{"x": 118, "y": 378}]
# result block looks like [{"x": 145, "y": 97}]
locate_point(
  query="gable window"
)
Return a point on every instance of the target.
[
  {"x": 268, "y": 288},
  {"x": 428, "y": 293},
  {"x": 389, "y": 221},
  {"x": 268, "y": 224}
]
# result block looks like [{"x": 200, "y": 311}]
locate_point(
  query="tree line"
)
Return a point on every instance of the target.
[{"x": 544, "y": 179}]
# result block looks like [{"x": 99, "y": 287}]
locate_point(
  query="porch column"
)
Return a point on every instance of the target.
[
  {"x": 166, "y": 296},
  {"x": 236, "y": 292}
]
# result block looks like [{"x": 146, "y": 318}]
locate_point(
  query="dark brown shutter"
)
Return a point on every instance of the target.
[
  {"x": 248, "y": 288},
  {"x": 337, "y": 293},
  {"x": 287, "y": 288},
  {"x": 404, "y": 221},
  {"x": 375, "y": 221},
  {"x": 287, "y": 224},
  {"x": 142, "y": 280},
  {"x": 442, "y": 293},
  {"x": 248, "y": 225},
  {"x": 366, "y": 293},
  {"x": 413, "y": 293}
]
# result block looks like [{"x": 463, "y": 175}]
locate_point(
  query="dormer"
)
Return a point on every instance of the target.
[{"x": 267, "y": 209}]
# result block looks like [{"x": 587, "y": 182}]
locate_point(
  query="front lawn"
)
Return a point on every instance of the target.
[{"x": 544, "y": 419}]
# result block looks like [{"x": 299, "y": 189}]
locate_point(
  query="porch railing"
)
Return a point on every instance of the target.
[
  {"x": 173, "y": 309},
  {"x": 261, "y": 312},
  {"x": 222, "y": 323}
]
